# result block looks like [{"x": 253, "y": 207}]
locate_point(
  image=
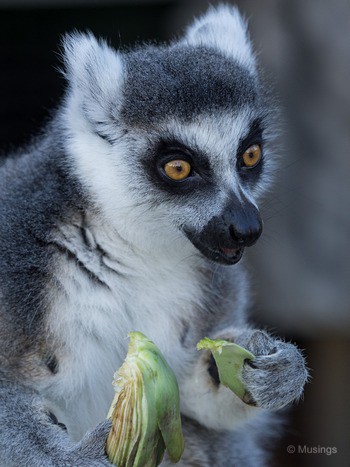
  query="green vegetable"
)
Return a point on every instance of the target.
[
  {"x": 145, "y": 411},
  {"x": 229, "y": 359}
]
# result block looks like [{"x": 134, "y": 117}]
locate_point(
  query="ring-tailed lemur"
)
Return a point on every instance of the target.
[{"x": 130, "y": 212}]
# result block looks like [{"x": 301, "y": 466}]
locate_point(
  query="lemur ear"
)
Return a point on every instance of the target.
[
  {"x": 95, "y": 75},
  {"x": 224, "y": 29}
]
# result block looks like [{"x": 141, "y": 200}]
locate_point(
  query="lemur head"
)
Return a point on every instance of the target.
[{"x": 170, "y": 141}]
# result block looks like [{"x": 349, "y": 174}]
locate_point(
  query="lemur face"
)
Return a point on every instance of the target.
[
  {"x": 201, "y": 119},
  {"x": 185, "y": 129}
]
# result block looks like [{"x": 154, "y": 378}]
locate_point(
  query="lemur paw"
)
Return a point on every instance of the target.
[{"x": 277, "y": 375}]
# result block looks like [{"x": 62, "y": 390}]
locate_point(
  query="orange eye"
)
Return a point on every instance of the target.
[
  {"x": 252, "y": 156},
  {"x": 177, "y": 170}
]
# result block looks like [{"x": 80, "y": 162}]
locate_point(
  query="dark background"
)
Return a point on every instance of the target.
[
  {"x": 300, "y": 268},
  {"x": 30, "y": 54}
]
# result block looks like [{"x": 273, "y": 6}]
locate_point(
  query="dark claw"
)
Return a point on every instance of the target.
[
  {"x": 213, "y": 370},
  {"x": 55, "y": 421},
  {"x": 250, "y": 363},
  {"x": 247, "y": 399},
  {"x": 53, "y": 418}
]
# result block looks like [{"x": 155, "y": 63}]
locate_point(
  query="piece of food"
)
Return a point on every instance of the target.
[
  {"x": 145, "y": 411},
  {"x": 229, "y": 359}
]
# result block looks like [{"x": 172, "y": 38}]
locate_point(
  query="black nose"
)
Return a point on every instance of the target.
[
  {"x": 245, "y": 224},
  {"x": 224, "y": 237}
]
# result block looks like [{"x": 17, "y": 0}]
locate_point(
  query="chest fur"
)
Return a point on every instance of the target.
[{"x": 97, "y": 301}]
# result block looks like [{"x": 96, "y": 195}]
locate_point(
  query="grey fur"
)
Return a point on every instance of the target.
[
  {"x": 281, "y": 361},
  {"x": 32, "y": 439},
  {"x": 92, "y": 246},
  {"x": 206, "y": 448},
  {"x": 182, "y": 81}
]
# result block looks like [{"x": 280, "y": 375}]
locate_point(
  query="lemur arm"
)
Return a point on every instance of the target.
[
  {"x": 274, "y": 379},
  {"x": 30, "y": 434}
]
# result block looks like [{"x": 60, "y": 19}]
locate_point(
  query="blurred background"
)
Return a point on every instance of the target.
[{"x": 301, "y": 267}]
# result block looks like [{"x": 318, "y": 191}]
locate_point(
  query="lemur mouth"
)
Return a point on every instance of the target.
[
  {"x": 233, "y": 255},
  {"x": 228, "y": 255},
  {"x": 222, "y": 255}
]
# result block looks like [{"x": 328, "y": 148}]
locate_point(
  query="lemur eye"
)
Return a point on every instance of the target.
[
  {"x": 251, "y": 157},
  {"x": 177, "y": 169}
]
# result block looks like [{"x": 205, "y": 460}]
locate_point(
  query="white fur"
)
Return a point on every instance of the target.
[
  {"x": 95, "y": 74},
  {"x": 224, "y": 29},
  {"x": 91, "y": 322}
]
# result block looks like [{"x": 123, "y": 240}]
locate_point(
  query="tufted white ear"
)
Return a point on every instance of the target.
[
  {"x": 95, "y": 75},
  {"x": 224, "y": 29}
]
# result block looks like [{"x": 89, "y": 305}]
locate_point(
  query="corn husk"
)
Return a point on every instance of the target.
[
  {"x": 145, "y": 411},
  {"x": 229, "y": 359}
]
